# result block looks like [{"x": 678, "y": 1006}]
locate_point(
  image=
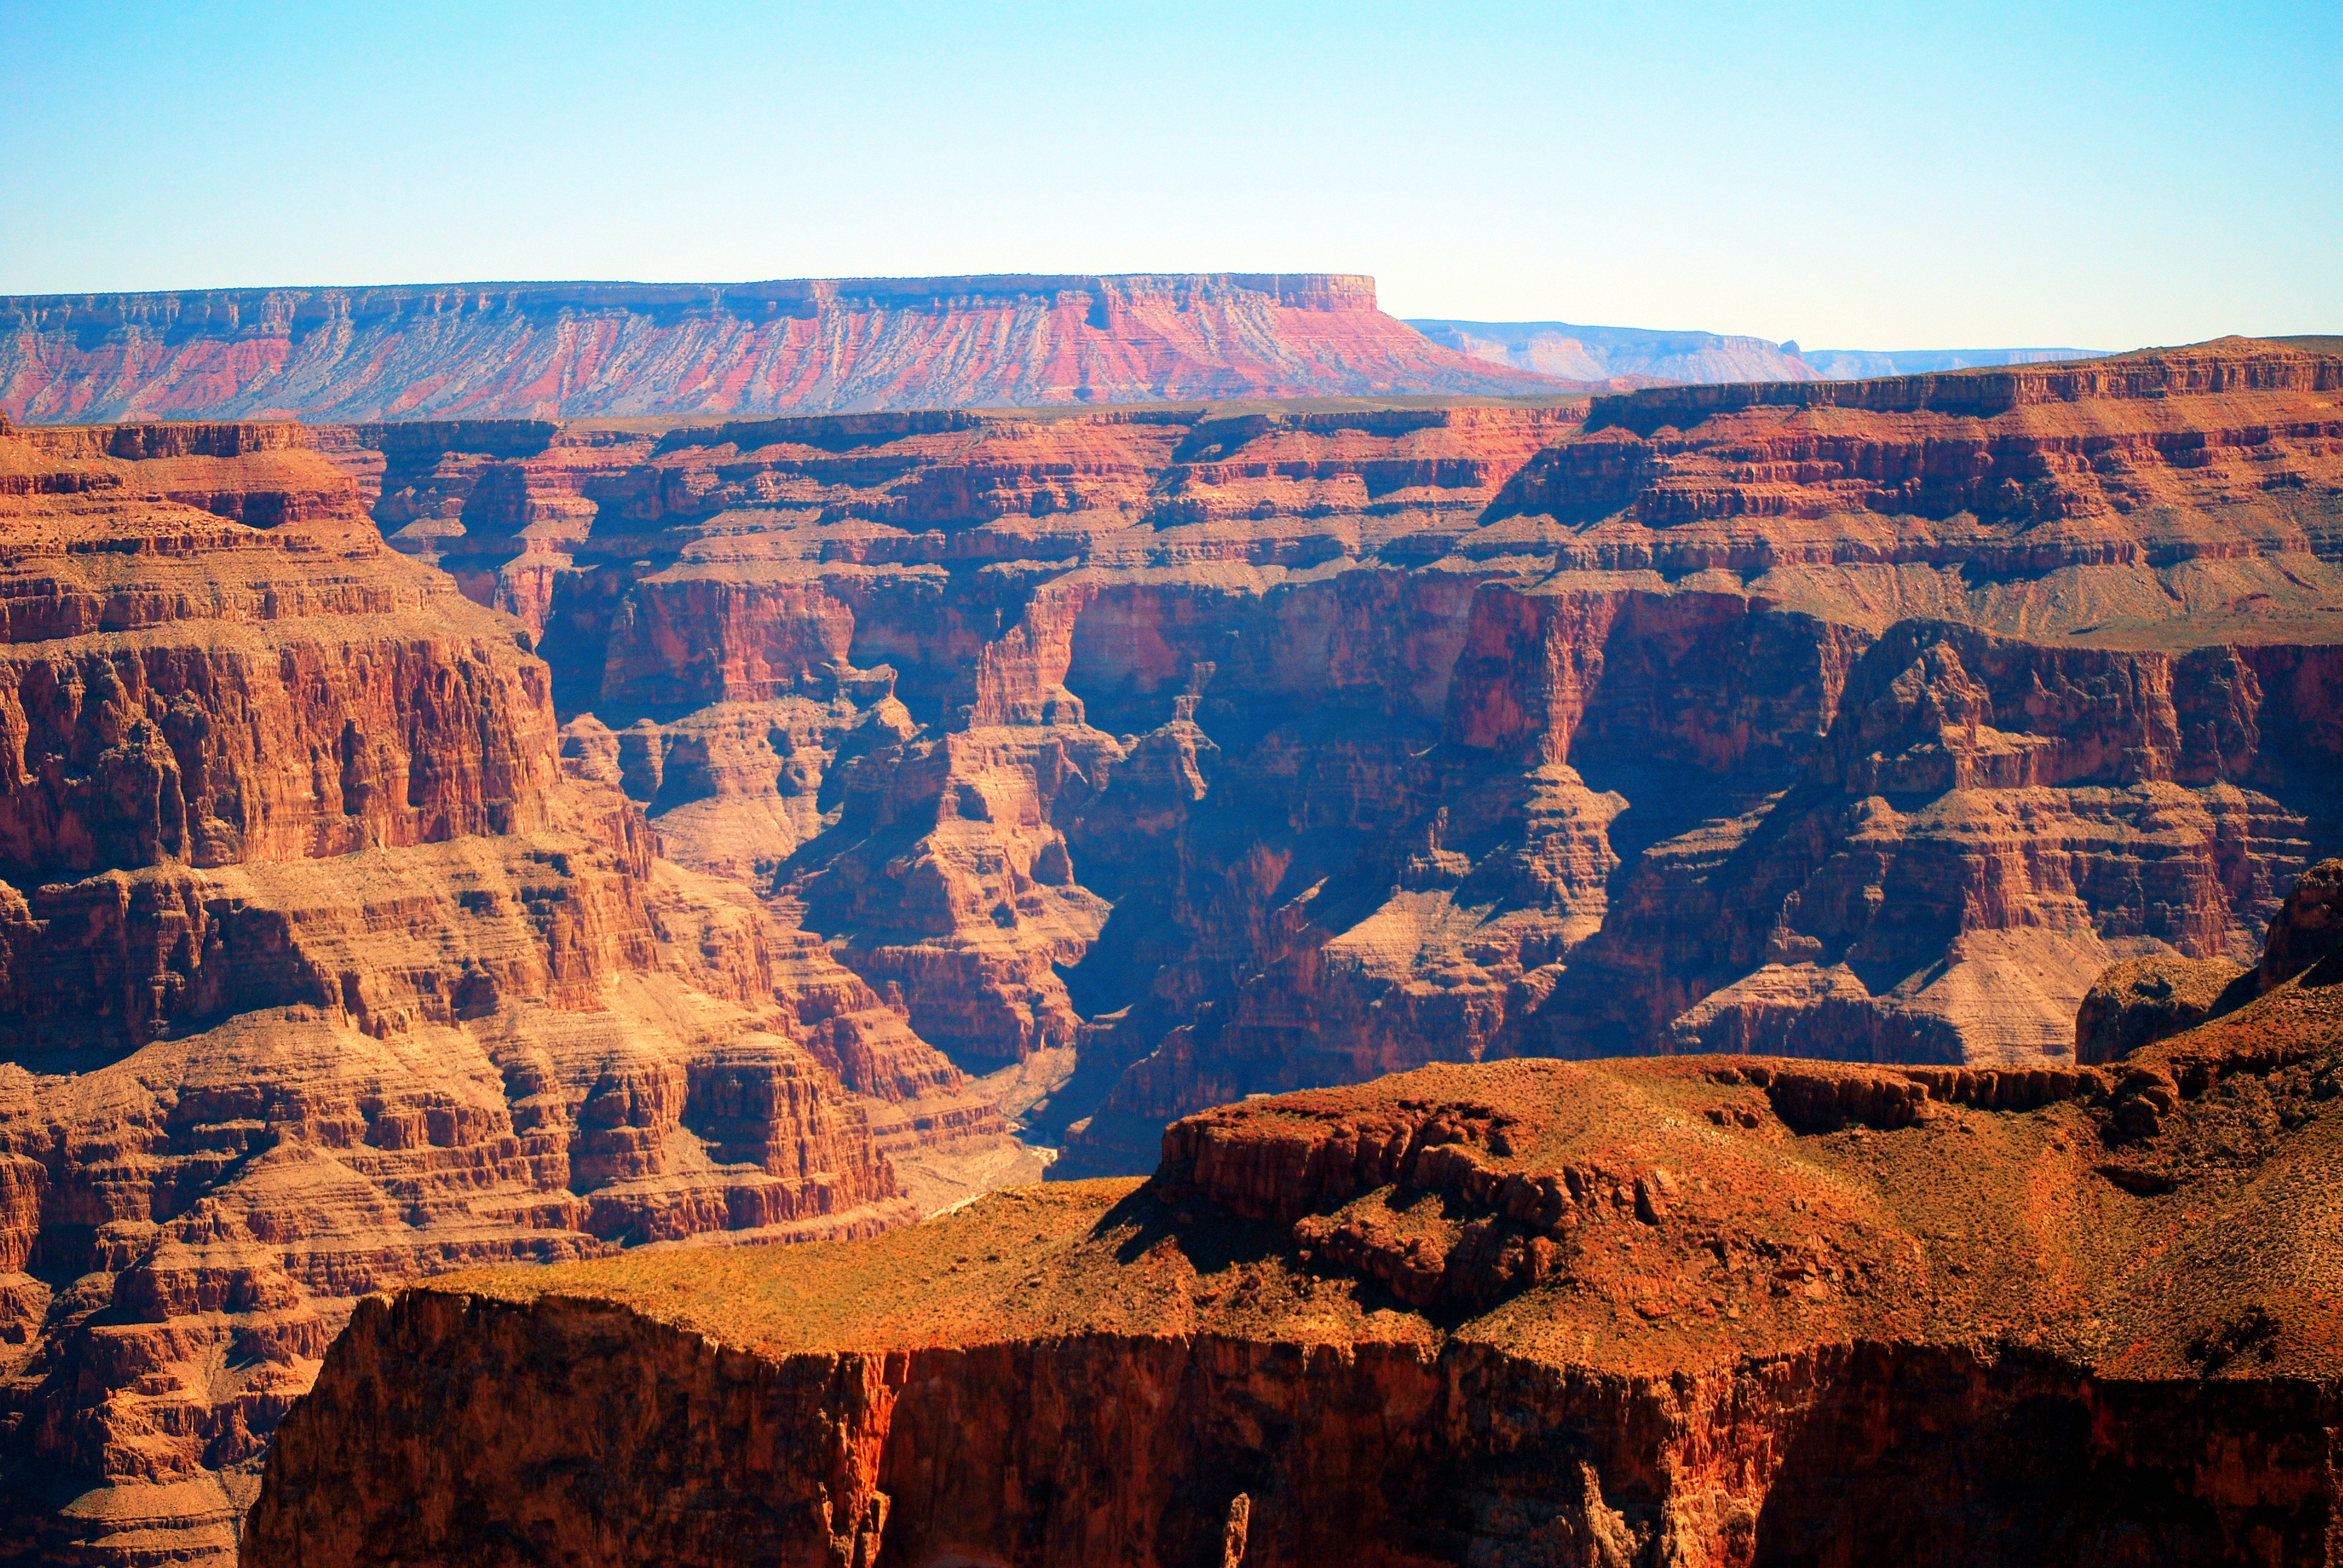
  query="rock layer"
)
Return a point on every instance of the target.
[{"x": 550, "y": 350}]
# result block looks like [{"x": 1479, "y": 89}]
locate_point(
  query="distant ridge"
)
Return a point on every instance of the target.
[
  {"x": 567, "y": 351},
  {"x": 1867, "y": 364},
  {"x": 1597, "y": 353}
]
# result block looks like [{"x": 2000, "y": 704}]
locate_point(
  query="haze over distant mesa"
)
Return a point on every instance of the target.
[{"x": 1596, "y": 353}]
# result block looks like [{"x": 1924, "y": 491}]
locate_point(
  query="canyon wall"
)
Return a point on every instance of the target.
[
  {"x": 1201, "y": 754},
  {"x": 554, "y": 351},
  {"x": 1719, "y": 1311},
  {"x": 321, "y": 971}
]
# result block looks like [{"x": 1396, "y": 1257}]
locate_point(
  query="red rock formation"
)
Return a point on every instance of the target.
[
  {"x": 550, "y": 350},
  {"x": 1253, "y": 749},
  {"x": 1714, "y": 1311},
  {"x": 317, "y": 976}
]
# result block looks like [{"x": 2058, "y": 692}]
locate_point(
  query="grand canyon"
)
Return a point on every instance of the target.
[{"x": 1601, "y": 967}]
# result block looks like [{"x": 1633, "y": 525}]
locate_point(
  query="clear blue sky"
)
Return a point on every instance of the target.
[{"x": 1874, "y": 176}]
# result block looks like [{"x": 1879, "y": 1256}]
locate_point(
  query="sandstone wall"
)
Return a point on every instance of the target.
[{"x": 1716, "y": 1311}]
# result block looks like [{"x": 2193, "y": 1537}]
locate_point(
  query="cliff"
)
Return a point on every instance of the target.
[
  {"x": 321, "y": 973},
  {"x": 1708, "y": 1310},
  {"x": 554, "y": 351},
  {"x": 1223, "y": 751}
]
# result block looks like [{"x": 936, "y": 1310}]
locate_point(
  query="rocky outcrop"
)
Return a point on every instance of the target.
[
  {"x": 2307, "y": 928},
  {"x": 1240, "y": 752},
  {"x": 2136, "y": 1003},
  {"x": 456, "y": 352},
  {"x": 317, "y": 976},
  {"x": 1717, "y": 1311},
  {"x": 2142, "y": 1001}
]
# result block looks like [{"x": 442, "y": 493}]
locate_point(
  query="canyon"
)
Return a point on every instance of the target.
[
  {"x": 320, "y": 973},
  {"x": 553, "y": 350},
  {"x": 1708, "y": 1310},
  {"x": 437, "y": 844},
  {"x": 1166, "y": 756}
]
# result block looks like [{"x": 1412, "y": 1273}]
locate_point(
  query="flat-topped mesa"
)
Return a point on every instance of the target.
[
  {"x": 531, "y": 350},
  {"x": 2102, "y": 450},
  {"x": 1715, "y": 1309}
]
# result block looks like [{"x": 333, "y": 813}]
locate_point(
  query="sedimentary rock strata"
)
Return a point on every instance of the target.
[
  {"x": 322, "y": 970},
  {"x": 1242, "y": 748},
  {"x": 1719, "y": 1310},
  {"x": 552, "y": 350}
]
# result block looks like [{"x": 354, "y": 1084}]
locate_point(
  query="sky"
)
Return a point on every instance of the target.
[{"x": 1873, "y": 175}]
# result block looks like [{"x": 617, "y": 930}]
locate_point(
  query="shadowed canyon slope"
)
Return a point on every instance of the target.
[
  {"x": 1244, "y": 748},
  {"x": 318, "y": 974},
  {"x": 553, "y": 350},
  {"x": 1709, "y": 1311}
]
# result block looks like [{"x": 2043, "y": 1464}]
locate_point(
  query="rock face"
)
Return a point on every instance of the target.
[
  {"x": 1236, "y": 751},
  {"x": 552, "y": 350},
  {"x": 1704, "y": 1311},
  {"x": 320, "y": 973},
  {"x": 2307, "y": 928}
]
